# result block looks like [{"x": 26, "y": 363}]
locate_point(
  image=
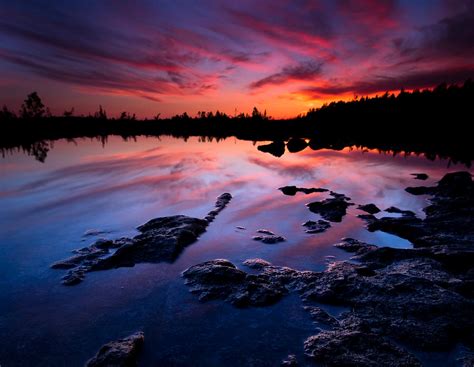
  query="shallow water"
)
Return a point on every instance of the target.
[{"x": 46, "y": 208}]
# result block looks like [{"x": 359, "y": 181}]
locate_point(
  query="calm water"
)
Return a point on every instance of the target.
[{"x": 45, "y": 209}]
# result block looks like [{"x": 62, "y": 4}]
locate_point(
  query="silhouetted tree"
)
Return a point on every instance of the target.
[
  {"x": 69, "y": 113},
  {"x": 6, "y": 114},
  {"x": 125, "y": 116},
  {"x": 33, "y": 107},
  {"x": 101, "y": 114}
]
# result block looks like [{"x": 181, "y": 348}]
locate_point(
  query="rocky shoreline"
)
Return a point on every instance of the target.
[
  {"x": 401, "y": 300},
  {"x": 160, "y": 240}
]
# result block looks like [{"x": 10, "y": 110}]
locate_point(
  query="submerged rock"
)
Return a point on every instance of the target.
[
  {"x": 369, "y": 208},
  {"x": 277, "y": 148},
  {"x": 119, "y": 353},
  {"x": 292, "y": 190},
  {"x": 316, "y": 227},
  {"x": 332, "y": 209},
  {"x": 290, "y": 361},
  {"x": 161, "y": 240}
]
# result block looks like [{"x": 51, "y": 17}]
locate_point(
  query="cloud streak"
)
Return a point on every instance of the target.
[{"x": 181, "y": 53}]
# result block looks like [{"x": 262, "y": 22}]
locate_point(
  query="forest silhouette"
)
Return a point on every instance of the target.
[{"x": 436, "y": 122}]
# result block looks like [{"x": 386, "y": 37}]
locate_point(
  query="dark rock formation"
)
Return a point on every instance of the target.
[
  {"x": 420, "y": 176},
  {"x": 292, "y": 190},
  {"x": 356, "y": 246},
  {"x": 265, "y": 231},
  {"x": 332, "y": 209},
  {"x": 316, "y": 227},
  {"x": 220, "y": 279},
  {"x": 161, "y": 239},
  {"x": 119, "y": 353},
  {"x": 295, "y": 145},
  {"x": 342, "y": 347},
  {"x": 321, "y": 317},
  {"x": 406, "y": 213},
  {"x": 369, "y": 208},
  {"x": 269, "y": 239},
  {"x": 221, "y": 203},
  {"x": 422, "y": 298},
  {"x": 276, "y": 148},
  {"x": 256, "y": 263}
]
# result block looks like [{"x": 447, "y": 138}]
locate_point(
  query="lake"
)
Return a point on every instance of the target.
[{"x": 87, "y": 190}]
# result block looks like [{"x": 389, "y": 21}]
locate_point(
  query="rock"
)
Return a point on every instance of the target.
[
  {"x": 420, "y": 176},
  {"x": 316, "y": 227},
  {"x": 343, "y": 347},
  {"x": 321, "y": 317},
  {"x": 161, "y": 240},
  {"x": 221, "y": 203},
  {"x": 406, "y": 213},
  {"x": 256, "y": 263},
  {"x": 421, "y": 298},
  {"x": 120, "y": 353},
  {"x": 352, "y": 245},
  {"x": 290, "y": 361},
  {"x": 269, "y": 239},
  {"x": 295, "y": 145},
  {"x": 220, "y": 279},
  {"x": 277, "y": 148},
  {"x": 94, "y": 232},
  {"x": 265, "y": 231},
  {"x": 292, "y": 190},
  {"x": 331, "y": 209},
  {"x": 369, "y": 208}
]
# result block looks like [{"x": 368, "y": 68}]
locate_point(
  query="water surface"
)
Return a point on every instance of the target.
[{"x": 108, "y": 190}]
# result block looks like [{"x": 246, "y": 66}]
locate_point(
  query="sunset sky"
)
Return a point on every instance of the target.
[{"x": 284, "y": 56}]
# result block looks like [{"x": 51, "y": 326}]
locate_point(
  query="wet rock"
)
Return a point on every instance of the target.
[
  {"x": 316, "y": 227},
  {"x": 292, "y": 190},
  {"x": 221, "y": 203},
  {"x": 394, "y": 209},
  {"x": 295, "y": 145},
  {"x": 369, "y": 208},
  {"x": 449, "y": 219},
  {"x": 332, "y": 209},
  {"x": 119, "y": 353},
  {"x": 220, "y": 279},
  {"x": 277, "y": 148},
  {"x": 256, "y": 263},
  {"x": 408, "y": 226},
  {"x": 421, "y": 297},
  {"x": 265, "y": 231},
  {"x": 356, "y": 246},
  {"x": 94, "y": 232},
  {"x": 321, "y": 317},
  {"x": 343, "y": 347},
  {"x": 160, "y": 240},
  {"x": 420, "y": 176},
  {"x": 269, "y": 239},
  {"x": 290, "y": 361}
]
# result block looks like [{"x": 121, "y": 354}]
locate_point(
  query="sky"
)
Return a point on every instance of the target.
[{"x": 175, "y": 56}]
